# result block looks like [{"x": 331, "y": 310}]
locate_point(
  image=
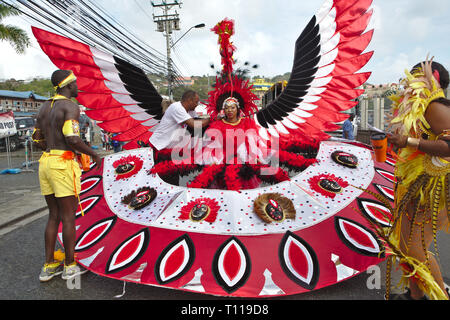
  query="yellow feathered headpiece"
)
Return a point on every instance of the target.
[{"x": 421, "y": 87}]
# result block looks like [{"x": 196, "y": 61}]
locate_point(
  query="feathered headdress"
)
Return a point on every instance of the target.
[
  {"x": 225, "y": 29},
  {"x": 228, "y": 84},
  {"x": 421, "y": 87}
]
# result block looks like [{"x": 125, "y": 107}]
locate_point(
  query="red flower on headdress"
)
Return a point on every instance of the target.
[
  {"x": 228, "y": 85},
  {"x": 225, "y": 29}
]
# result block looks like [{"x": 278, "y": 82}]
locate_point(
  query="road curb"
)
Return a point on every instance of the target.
[{"x": 23, "y": 217}]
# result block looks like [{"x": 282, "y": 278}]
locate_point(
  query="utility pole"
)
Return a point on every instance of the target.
[{"x": 166, "y": 23}]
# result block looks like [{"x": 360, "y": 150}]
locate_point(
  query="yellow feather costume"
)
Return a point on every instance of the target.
[{"x": 422, "y": 180}]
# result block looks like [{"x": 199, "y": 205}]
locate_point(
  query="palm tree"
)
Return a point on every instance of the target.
[{"x": 17, "y": 37}]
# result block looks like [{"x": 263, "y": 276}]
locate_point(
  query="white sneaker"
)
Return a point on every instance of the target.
[{"x": 72, "y": 270}]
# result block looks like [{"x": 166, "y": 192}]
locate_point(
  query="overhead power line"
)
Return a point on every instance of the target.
[
  {"x": 88, "y": 22},
  {"x": 166, "y": 23}
]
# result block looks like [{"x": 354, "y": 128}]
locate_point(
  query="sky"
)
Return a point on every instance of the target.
[{"x": 405, "y": 32}]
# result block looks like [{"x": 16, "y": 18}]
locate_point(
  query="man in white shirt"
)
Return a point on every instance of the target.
[{"x": 171, "y": 130}]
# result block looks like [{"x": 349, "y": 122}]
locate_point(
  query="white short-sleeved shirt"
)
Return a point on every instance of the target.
[{"x": 170, "y": 131}]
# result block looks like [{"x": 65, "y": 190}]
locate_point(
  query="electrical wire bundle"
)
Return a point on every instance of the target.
[{"x": 88, "y": 22}]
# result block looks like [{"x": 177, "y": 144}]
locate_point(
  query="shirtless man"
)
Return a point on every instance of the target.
[{"x": 57, "y": 132}]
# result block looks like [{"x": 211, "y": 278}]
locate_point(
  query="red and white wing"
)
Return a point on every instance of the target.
[
  {"x": 116, "y": 92},
  {"x": 324, "y": 78}
]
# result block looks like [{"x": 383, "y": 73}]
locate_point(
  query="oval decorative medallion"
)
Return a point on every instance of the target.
[
  {"x": 328, "y": 185},
  {"x": 299, "y": 261},
  {"x": 94, "y": 234},
  {"x": 127, "y": 166},
  {"x": 175, "y": 260},
  {"x": 231, "y": 265},
  {"x": 345, "y": 159},
  {"x": 128, "y": 252},
  {"x": 201, "y": 209},
  {"x": 273, "y": 207},
  {"x": 358, "y": 238},
  {"x": 140, "y": 198}
]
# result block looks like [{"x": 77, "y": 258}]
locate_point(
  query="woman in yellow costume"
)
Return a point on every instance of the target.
[{"x": 421, "y": 131}]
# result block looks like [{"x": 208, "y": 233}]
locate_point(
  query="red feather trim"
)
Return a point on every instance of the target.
[
  {"x": 168, "y": 167},
  {"x": 263, "y": 171},
  {"x": 295, "y": 160},
  {"x": 204, "y": 179},
  {"x": 232, "y": 179}
]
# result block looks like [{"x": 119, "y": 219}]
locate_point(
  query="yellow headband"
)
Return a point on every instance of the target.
[{"x": 69, "y": 79}]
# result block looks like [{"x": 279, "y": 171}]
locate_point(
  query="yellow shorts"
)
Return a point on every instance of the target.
[{"x": 59, "y": 175}]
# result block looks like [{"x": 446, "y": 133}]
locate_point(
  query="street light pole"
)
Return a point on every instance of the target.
[
  {"x": 201, "y": 25},
  {"x": 169, "y": 61},
  {"x": 166, "y": 23}
]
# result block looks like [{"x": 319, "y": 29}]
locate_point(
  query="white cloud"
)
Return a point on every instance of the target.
[
  {"x": 33, "y": 64},
  {"x": 405, "y": 31}
]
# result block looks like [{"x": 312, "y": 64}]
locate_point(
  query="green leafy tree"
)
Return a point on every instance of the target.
[
  {"x": 17, "y": 37},
  {"x": 42, "y": 87}
]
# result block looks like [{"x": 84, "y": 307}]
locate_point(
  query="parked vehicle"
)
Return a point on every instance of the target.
[{"x": 25, "y": 126}]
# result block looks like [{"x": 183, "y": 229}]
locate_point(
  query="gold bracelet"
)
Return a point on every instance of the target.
[
  {"x": 445, "y": 133},
  {"x": 413, "y": 143}
]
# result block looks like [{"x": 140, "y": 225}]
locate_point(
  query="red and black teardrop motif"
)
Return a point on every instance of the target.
[
  {"x": 299, "y": 261},
  {"x": 87, "y": 204},
  {"x": 94, "y": 234},
  {"x": 128, "y": 252},
  {"x": 175, "y": 260},
  {"x": 89, "y": 183},
  {"x": 231, "y": 265},
  {"x": 375, "y": 211},
  {"x": 386, "y": 174},
  {"x": 386, "y": 191},
  {"x": 358, "y": 238},
  {"x": 390, "y": 161}
]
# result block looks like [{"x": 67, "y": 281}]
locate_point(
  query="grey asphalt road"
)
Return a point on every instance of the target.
[{"x": 22, "y": 256}]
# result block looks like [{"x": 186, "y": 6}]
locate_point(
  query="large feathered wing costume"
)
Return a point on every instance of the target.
[
  {"x": 323, "y": 81},
  {"x": 115, "y": 92},
  {"x": 259, "y": 242}
]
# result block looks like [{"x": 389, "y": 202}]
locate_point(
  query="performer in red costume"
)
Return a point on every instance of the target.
[{"x": 235, "y": 138}]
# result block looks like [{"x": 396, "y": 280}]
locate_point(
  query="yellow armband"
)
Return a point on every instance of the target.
[
  {"x": 36, "y": 136},
  {"x": 71, "y": 128}
]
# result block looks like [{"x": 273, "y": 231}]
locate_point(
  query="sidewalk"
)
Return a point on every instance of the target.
[{"x": 20, "y": 197}]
